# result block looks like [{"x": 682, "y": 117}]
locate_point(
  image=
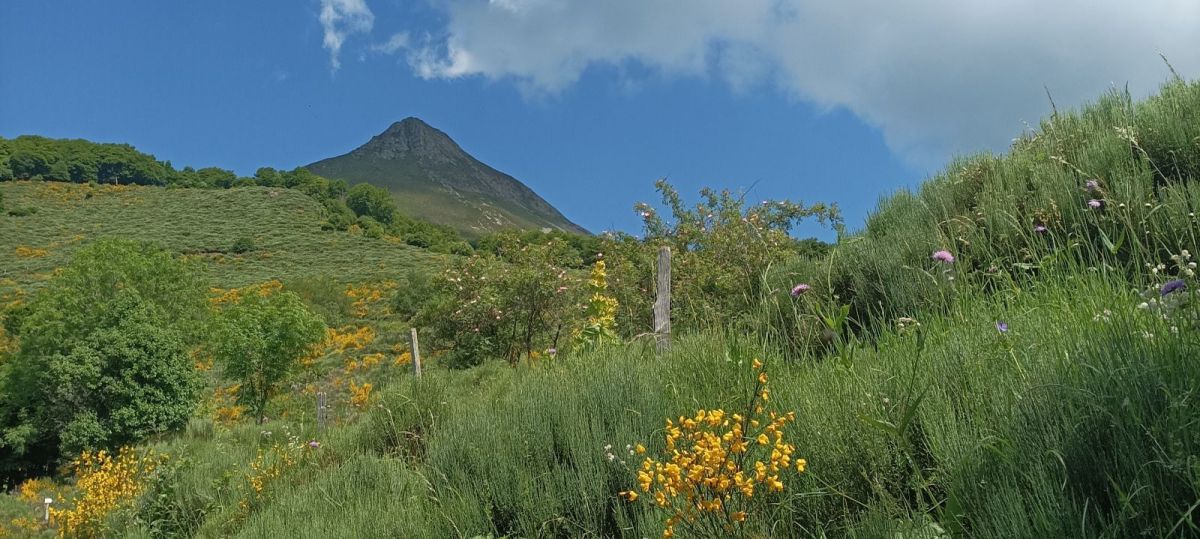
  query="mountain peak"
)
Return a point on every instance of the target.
[
  {"x": 433, "y": 178},
  {"x": 412, "y": 138}
]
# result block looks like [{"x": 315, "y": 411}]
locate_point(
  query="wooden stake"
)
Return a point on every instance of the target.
[
  {"x": 416, "y": 354},
  {"x": 662, "y": 304},
  {"x": 322, "y": 411}
]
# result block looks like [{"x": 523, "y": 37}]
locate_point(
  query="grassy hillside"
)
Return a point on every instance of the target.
[
  {"x": 281, "y": 228},
  {"x": 1008, "y": 351}
]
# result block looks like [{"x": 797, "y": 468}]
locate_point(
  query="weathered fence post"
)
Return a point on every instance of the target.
[
  {"x": 47, "y": 502},
  {"x": 662, "y": 304},
  {"x": 416, "y": 354},
  {"x": 322, "y": 411}
]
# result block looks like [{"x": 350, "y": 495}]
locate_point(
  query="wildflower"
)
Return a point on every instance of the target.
[
  {"x": 629, "y": 495},
  {"x": 943, "y": 256},
  {"x": 314, "y": 444},
  {"x": 800, "y": 289},
  {"x": 552, "y": 352},
  {"x": 1039, "y": 228},
  {"x": 1095, "y": 204},
  {"x": 1173, "y": 286},
  {"x": 1092, "y": 185},
  {"x": 1002, "y": 326}
]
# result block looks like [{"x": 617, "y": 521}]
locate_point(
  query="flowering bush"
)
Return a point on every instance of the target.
[
  {"x": 718, "y": 467},
  {"x": 486, "y": 307},
  {"x": 720, "y": 251},
  {"x": 105, "y": 483}
]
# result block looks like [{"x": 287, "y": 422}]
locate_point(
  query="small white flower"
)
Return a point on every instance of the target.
[{"x": 1143, "y": 305}]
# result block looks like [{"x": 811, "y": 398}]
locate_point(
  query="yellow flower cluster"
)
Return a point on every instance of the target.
[
  {"x": 222, "y": 296},
  {"x": 365, "y": 295},
  {"x": 360, "y": 394},
  {"x": 365, "y": 362},
  {"x": 31, "y": 252},
  {"x": 715, "y": 464},
  {"x": 403, "y": 358},
  {"x": 105, "y": 483},
  {"x": 347, "y": 338},
  {"x": 226, "y": 411},
  {"x": 267, "y": 467},
  {"x": 601, "y": 309}
]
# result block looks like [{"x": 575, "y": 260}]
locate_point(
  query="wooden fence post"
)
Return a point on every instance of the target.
[
  {"x": 416, "y": 353},
  {"x": 322, "y": 411},
  {"x": 662, "y": 304}
]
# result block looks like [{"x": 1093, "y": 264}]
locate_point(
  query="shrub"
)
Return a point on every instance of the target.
[
  {"x": 103, "y": 356},
  {"x": 720, "y": 250},
  {"x": 259, "y": 338},
  {"x": 484, "y": 307},
  {"x": 370, "y": 201},
  {"x": 243, "y": 244}
]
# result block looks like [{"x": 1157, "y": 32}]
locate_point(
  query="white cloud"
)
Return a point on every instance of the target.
[
  {"x": 935, "y": 76},
  {"x": 396, "y": 42},
  {"x": 341, "y": 18}
]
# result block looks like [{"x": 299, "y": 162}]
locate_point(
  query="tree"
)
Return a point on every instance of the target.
[
  {"x": 259, "y": 340},
  {"x": 103, "y": 356},
  {"x": 374, "y": 202}
]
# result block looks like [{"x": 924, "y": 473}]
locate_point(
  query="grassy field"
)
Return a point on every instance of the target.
[
  {"x": 283, "y": 225},
  {"x": 1036, "y": 379}
]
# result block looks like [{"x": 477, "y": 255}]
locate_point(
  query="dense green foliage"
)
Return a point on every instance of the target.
[
  {"x": 103, "y": 358},
  {"x": 522, "y": 302},
  {"x": 259, "y": 338}
]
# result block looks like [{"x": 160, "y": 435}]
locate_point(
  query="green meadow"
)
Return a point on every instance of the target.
[{"x": 1009, "y": 350}]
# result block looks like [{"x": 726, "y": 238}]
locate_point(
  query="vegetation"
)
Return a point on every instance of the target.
[
  {"x": 103, "y": 358},
  {"x": 259, "y": 338},
  {"x": 81, "y": 161},
  {"x": 1007, "y": 351}
]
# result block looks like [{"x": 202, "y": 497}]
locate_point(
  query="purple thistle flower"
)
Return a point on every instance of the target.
[
  {"x": 1039, "y": 228},
  {"x": 943, "y": 256},
  {"x": 1002, "y": 326},
  {"x": 1095, "y": 204},
  {"x": 552, "y": 352},
  {"x": 1092, "y": 185},
  {"x": 1173, "y": 286},
  {"x": 800, "y": 289},
  {"x": 314, "y": 444}
]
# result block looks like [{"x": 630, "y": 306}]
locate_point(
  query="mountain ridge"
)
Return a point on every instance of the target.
[{"x": 433, "y": 178}]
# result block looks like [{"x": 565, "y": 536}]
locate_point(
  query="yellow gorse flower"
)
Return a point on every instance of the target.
[
  {"x": 105, "y": 483},
  {"x": 715, "y": 463}
]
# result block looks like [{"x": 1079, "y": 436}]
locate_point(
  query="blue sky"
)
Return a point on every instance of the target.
[{"x": 587, "y": 103}]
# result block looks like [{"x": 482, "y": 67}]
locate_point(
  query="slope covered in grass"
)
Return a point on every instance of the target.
[
  {"x": 1036, "y": 379},
  {"x": 280, "y": 230}
]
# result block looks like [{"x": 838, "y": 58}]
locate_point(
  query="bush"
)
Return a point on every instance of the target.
[
  {"x": 23, "y": 212},
  {"x": 243, "y": 244},
  {"x": 370, "y": 201},
  {"x": 103, "y": 356},
  {"x": 260, "y": 338},
  {"x": 484, "y": 307}
]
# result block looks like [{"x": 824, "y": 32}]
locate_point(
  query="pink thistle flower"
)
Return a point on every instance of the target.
[
  {"x": 800, "y": 289},
  {"x": 1095, "y": 204},
  {"x": 943, "y": 256}
]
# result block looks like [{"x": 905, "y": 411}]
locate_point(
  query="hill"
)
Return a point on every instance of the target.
[
  {"x": 280, "y": 229},
  {"x": 434, "y": 179}
]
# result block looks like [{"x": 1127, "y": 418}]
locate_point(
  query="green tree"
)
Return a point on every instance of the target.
[
  {"x": 259, "y": 340},
  {"x": 374, "y": 202},
  {"x": 103, "y": 355}
]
